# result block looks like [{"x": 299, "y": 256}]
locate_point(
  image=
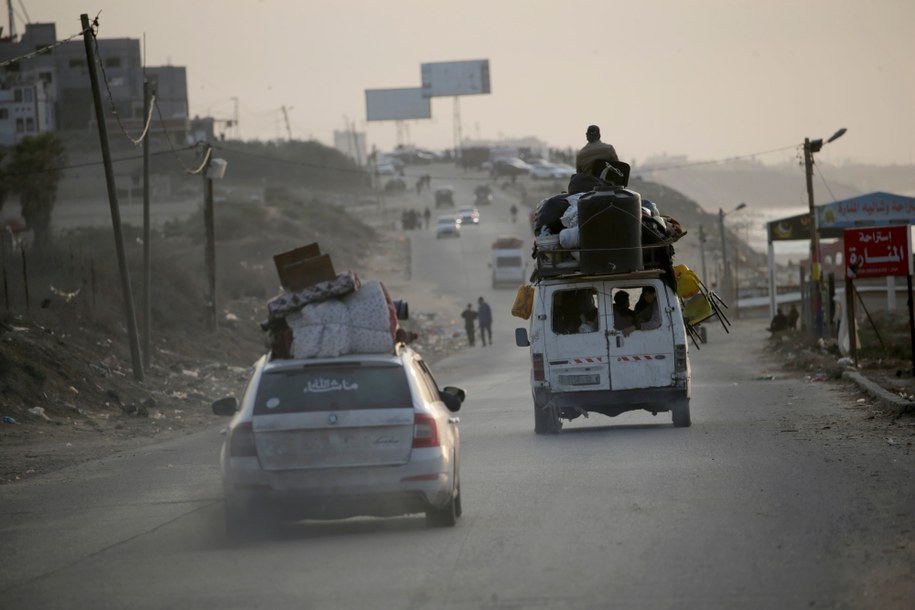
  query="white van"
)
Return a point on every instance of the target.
[
  {"x": 589, "y": 356},
  {"x": 508, "y": 261}
]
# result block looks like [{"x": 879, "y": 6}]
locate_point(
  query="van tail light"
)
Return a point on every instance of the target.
[
  {"x": 425, "y": 432},
  {"x": 680, "y": 358},
  {"x": 241, "y": 443},
  {"x": 538, "y": 367}
]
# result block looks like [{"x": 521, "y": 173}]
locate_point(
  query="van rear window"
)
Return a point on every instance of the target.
[
  {"x": 333, "y": 388},
  {"x": 508, "y": 261}
]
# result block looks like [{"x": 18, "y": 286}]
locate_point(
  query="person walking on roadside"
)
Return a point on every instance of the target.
[
  {"x": 426, "y": 216},
  {"x": 484, "y": 315},
  {"x": 470, "y": 317}
]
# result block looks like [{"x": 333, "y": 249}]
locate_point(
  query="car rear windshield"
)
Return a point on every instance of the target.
[{"x": 333, "y": 387}]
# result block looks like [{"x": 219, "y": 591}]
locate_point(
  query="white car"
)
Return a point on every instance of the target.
[
  {"x": 468, "y": 216},
  {"x": 551, "y": 171},
  {"x": 332, "y": 438},
  {"x": 447, "y": 226}
]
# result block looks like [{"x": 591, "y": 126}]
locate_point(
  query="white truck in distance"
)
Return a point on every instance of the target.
[{"x": 508, "y": 261}]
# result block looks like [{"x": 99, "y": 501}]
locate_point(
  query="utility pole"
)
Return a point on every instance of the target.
[
  {"x": 112, "y": 200},
  {"x": 816, "y": 301},
  {"x": 286, "y": 119},
  {"x": 210, "y": 248},
  {"x": 702, "y": 241},
  {"x": 12, "y": 22},
  {"x": 235, "y": 118},
  {"x": 148, "y": 92},
  {"x": 725, "y": 286},
  {"x": 816, "y": 295}
]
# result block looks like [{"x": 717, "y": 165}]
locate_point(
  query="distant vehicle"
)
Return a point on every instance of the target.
[
  {"x": 510, "y": 166},
  {"x": 447, "y": 226},
  {"x": 444, "y": 197},
  {"x": 468, "y": 216},
  {"x": 333, "y": 438},
  {"x": 507, "y": 261},
  {"x": 483, "y": 195},
  {"x": 395, "y": 185},
  {"x": 551, "y": 171}
]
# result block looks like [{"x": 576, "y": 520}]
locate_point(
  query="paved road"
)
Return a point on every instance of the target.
[{"x": 757, "y": 505}]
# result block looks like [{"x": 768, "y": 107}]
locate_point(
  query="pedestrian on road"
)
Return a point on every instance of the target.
[
  {"x": 470, "y": 317},
  {"x": 484, "y": 315},
  {"x": 426, "y": 216}
]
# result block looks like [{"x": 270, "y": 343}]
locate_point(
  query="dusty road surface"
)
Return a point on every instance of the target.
[{"x": 786, "y": 492}]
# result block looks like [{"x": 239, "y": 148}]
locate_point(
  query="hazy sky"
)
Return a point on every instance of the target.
[{"x": 709, "y": 79}]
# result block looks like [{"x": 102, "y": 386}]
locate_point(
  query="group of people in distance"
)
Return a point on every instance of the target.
[{"x": 483, "y": 316}]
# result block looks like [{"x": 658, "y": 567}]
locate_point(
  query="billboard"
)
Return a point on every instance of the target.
[
  {"x": 878, "y": 251},
  {"x": 873, "y": 209},
  {"x": 448, "y": 78},
  {"x": 397, "y": 104}
]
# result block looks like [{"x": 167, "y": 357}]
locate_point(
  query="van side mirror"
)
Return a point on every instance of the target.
[
  {"x": 521, "y": 339},
  {"x": 225, "y": 406}
]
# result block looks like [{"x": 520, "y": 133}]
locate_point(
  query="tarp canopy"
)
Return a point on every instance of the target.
[{"x": 871, "y": 210}]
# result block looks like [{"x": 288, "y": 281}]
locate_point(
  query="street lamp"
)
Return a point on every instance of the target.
[
  {"x": 726, "y": 283},
  {"x": 810, "y": 147}
]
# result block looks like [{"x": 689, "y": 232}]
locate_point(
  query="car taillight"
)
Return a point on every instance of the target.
[
  {"x": 680, "y": 358},
  {"x": 425, "y": 432},
  {"x": 538, "y": 367},
  {"x": 241, "y": 443}
]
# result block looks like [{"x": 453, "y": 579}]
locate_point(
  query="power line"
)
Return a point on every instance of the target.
[
  {"x": 44, "y": 49},
  {"x": 114, "y": 109},
  {"x": 92, "y": 163}
]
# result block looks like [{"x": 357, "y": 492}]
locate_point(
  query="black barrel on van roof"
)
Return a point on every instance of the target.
[{"x": 610, "y": 230}]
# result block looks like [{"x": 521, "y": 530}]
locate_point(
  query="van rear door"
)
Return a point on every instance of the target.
[
  {"x": 644, "y": 358},
  {"x": 575, "y": 339}
]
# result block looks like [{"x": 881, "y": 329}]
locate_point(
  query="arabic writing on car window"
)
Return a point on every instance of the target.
[{"x": 323, "y": 384}]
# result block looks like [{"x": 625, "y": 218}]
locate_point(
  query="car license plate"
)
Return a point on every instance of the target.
[{"x": 579, "y": 379}]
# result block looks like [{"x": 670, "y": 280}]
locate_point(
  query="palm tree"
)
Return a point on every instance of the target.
[{"x": 34, "y": 172}]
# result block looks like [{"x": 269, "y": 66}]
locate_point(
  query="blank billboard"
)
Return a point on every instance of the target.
[
  {"x": 397, "y": 104},
  {"x": 447, "y": 78}
]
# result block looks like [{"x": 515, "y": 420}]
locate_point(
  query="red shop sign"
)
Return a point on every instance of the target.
[{"x": 878, "y": 251}]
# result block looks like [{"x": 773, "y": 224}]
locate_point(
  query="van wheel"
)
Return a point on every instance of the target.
[{"x": 680, "y": 412}]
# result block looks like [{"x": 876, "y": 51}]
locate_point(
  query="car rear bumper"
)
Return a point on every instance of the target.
[
  {"x": 332, "y": 493},
  {"x": 613, "y": 402}
]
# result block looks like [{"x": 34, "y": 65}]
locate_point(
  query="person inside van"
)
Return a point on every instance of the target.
[
  {"x": 565, "y": 313},
  {"x": 623, "y": 316},
  {"x": 647, "y": 316}
]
